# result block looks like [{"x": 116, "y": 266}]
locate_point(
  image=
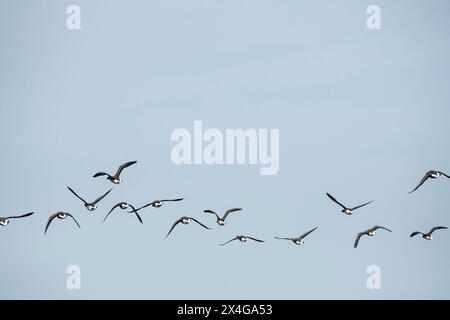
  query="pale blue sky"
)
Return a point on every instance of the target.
[{"x": 362, "y": 114}]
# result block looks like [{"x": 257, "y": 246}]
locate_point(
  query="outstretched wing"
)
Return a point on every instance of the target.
[
  {"x": 76, "y": 195},
  {"x": 49, "y": 221},
  {"x": 333, "y": 199},
  {"x": 123, "y": 166},
  {"x": 143, "y": 207},
  {"x": 229, "y": 241},
  {"x": 358, "y": 236},
  {"x": 173, "y": 226},
  {"x": 444, "y": 174},
  {"x": 200, "y": 223},
  {"x": 307, "y": 233},
  {"x": 18, "y": 217},
  {"x": 380, "y": 227},
  {"x": 212, "y": 212},
  {"x": 284, "y": 238},
  {"x": 254, "y": 239},
  {"x": 117, "y": 205},
  {"x": 363, "y": 205},
  {"x": 415, "y": 233},
  {"x": 167, "y": 200},
  {"x": 425, "y": 178},
  {"x": 69, "y": 215},
  {"x": 230, "y": 211},
  {"x": 437, "y": 228},
  {"x": 101, "y": 197},
  {"x": 137, "y": 214},
  {"x": 99, "y": 174}
]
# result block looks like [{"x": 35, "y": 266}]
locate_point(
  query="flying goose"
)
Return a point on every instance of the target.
[
  {"x": 185, "y": 221},
  {"x": 62, "y": 216},
  {"x": 124, "y": 206},
  {"x": 5, "y": 220},
  {"x": 369, "y": 232},
  {"x": 348, "y": 211},
  {"x": 115, "y": 178},
  {"x": 156, "y": 204},
  {"x": 299, "y": 240},
  {"x": 91, "y": 206},
  {"x": 221, "y": 221},
  {"x": 241, "y": 239},
  {"x": 429, "y": 235},
  {"x": 432, "y": 174}
]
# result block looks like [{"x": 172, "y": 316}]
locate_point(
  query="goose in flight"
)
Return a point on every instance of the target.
[
  {"x": 91, "y": 206},
  {"x": 369, "y": 232},
  {"x": 116, "y": 177},
  {"x": 242, "y": 239},
  {"x": 185, "y": 221},
  {"x": 156, "y": 204},
  {"x": 124, "y": 206},
  {"x": 6, "y": 220},
  {"x": 221, "y": 220},
  {"x": 348, "y": 211},
  {"x": 432, "y": 174},
  {"x": 61, "y": 216},
  {"x": 299, "y": 240},
  {"x": 429, "y": 235}
]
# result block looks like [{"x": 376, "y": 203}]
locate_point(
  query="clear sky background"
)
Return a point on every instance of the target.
[{"x": 362, "y": 114}]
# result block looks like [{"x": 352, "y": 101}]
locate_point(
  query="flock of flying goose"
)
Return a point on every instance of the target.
[{"x": 115, "y": 179}]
